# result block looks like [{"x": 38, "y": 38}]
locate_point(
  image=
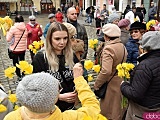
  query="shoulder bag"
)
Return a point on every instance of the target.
[
  {"x": 10, "y": 52},
  {"x": 102, "y": 90}
]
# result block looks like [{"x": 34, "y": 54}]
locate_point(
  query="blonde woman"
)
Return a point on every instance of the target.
[{"x": 57, "y": 59}]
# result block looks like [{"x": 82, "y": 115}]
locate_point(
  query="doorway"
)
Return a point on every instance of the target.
[{"x": 46, "y": 6}]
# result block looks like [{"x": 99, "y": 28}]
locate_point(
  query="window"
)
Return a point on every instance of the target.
[{"x": 26, "y": 5}]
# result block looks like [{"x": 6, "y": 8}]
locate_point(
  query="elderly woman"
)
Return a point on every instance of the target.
[
  {"x": 77, "y": 44},
  {"x": 143, "y": 90},
  {"x": 112, "y": 54},
  {"x": 58, "y": 60}
]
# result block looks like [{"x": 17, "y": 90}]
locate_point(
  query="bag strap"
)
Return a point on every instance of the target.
[
  {"x": 116, "y": 70},
  {"x": 18, "y": 40}
]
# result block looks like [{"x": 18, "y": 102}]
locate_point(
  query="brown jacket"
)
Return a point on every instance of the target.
[{"x": 111, "y": 56}]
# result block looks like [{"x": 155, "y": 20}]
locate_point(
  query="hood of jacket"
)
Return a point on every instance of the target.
[{"x": 21, "y": 26}]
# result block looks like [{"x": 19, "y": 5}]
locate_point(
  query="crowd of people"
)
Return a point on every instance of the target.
[{"x": 59, "y": 80}]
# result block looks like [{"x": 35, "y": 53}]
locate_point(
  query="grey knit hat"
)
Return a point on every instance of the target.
[
  {"x": 113, "y": 17},
  {"x": 150, "y": 40},
  {"x": 38, "y": 92}
]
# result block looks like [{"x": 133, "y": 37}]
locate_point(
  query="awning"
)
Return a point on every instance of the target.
[{"x": 8, "y": 0}]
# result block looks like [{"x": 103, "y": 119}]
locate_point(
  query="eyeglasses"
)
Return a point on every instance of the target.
[
  {"x": 32, "y": 20},
  {"x": 134, "y": 31}
]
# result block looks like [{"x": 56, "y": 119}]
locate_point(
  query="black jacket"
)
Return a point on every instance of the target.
[
  {"x": 144, "y": 86},
  {"x": 64, "y": 75}
]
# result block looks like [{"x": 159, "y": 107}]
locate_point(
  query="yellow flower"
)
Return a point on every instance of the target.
[
  {"x": 90, "y": 78},
  {"x": 95, "y": 41},
  {"x": 25, "y": 67},
  {"x": 2, "y": 108},
  {"x": 101, "y": 117},
  {"x": 28, "y": 70},
  {"x": 88, "y": 64},
  {"x": 36, "y": 45},
  {"x": 9, "y": 72},
  {"x": 12, "y": 98},
  {"x": 150, "y": 23},
  {"x": 16, "y": 107},
  {"x": 41, "y": 43},
  {"x": 30, "y": 47},
  {"x": 91, "y": 46},
  {"x": 123, "y": 70},
  {"x": 96, "y": 68},
  {"x": 34, "y": 51}
]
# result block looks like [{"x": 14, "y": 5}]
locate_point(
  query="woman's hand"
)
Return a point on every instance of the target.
[
  {"x": 77, "y": 70},
  {"x": 69, "y": 97}
]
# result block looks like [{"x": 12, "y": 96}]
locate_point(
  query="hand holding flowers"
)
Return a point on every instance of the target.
[
  {"x": 36, "y": 45},
  {"x": 123, "y": 72}
]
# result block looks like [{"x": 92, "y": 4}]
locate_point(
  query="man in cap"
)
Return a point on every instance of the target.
[
  {"x": 152, "y": 11},
  {"x": 52, "y": 19}
]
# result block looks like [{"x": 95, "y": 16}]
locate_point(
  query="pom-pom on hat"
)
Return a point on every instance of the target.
[
  {"x": 113, "y": 17},
  {"x": 38, "y": 92},
  {"x": 111, "y": 30},
  {"x": 150, "y": 40},
  {"x": 32, "y": 17},
  {"x": 124, "y": 23},
  {"x": 51, "y": 16},
  {"x": 137, "y": 25}
]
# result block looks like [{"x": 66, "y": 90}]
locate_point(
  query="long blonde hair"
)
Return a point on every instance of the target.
[{"x": 52, "y": 58}]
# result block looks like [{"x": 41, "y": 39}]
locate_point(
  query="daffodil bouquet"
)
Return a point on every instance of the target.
[
  {"x": 36, "y": 45},
  {"x": 89, "y": 65},
  {"x": 12, "y": 98},
  {"x": 93, "y": 43},
  {"x": 5, "y": 24},
  {"x": 24, "y": 67},
  {"x": 124, "y": 72}
]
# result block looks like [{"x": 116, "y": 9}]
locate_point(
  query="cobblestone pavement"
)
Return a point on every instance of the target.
[{"x": 5, "y": 62}]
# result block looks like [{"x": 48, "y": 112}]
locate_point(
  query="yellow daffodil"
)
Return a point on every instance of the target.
[
  {"x": 101, "y": 117},
  {"x": 16, "y": 107},
  {"x": 2, "y": 108},
  {"x": 28, "y": 70},
  {"x": 95, "y": 41},
  {"x": 10, "y": 72},
  {"x": 124, "y": 69},
  {"x": 25, "y": 67},
  {"x": 90, "y": 78},
  {"x": 36, "y": 45},
  {"x": 30, "y": 47},
  {"x": 150, "y": 23},
  {"x": 87, "y": 118},
  {"x": 12, "y": 98},
  {"x": 34, "y": 51},
  {"x": 41, "y": 43},
  {"x": 96, "y": 68},
  {"x": 88, "y": 64}
]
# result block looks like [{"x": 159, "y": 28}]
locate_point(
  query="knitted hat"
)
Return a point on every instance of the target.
[
  {"x": 38, "y": 92},
  {"x": 124, "y": 23},
  {"x": 51, "y": 16},
  {"x": 113, "y": 17},
  {"x": 137, "y": 25},
  {"x": 71, "y": 29},
  {"x": 150, "y": 40},
  {"x": 32, "y": 17},
  {"x": 111, "y": 30}
]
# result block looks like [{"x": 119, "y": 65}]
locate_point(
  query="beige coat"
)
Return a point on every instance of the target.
[{"x": 112, "y": 55}]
